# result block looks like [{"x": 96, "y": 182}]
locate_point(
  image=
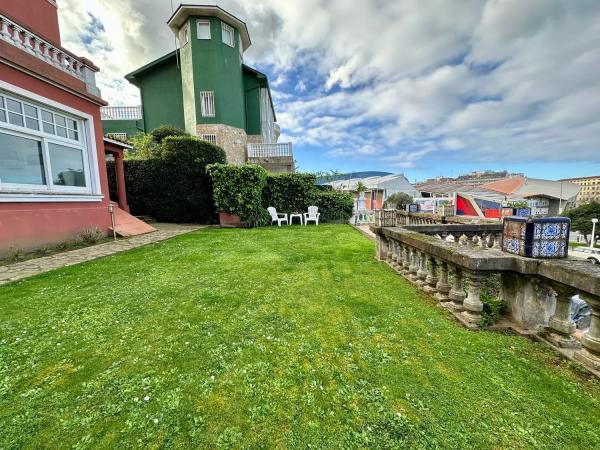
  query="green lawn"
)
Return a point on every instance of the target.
[{"x": 289, "y": 338}]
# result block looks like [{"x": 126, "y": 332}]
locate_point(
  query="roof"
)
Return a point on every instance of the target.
[
  {"x": 119, "y": 144},
  {"x": 132, "y": 76},
  {"x": 505, "y": 186},
  {"x": 369, "y": 182},
  {"x": 185, "y": 10},
  {"x": 450, "y": 187}
]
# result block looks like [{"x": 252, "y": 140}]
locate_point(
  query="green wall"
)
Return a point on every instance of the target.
[
  {"x": 131, "y": 127},
  {"x": 162, "y": 97},
  {"x": 218, "y": 67},
  {"x": 252, "y": 98}
]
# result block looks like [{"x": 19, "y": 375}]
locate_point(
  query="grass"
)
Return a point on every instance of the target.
[{"x": 269, "y": 338}]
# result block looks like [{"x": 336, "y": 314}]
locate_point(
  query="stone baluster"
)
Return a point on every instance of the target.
[
  {"x": 422, "y": 272},
  {"x": 404, "y": 260},
  {"x": 27, "y": 37},
  {"x": 4, "y": 31},
  {"x": 590, "y": 353},
  {"x": 37, "y": 47},
  {"x": 442, "y": 287},
  {"x": 414, "y": 266},
  {"x": 16, "y": 37},
  {"x": 432, "y": 276},
  {"x": 560, "y": 326},
  {"x": 472, "y": 304},
  {"x": 457, "y": 293},
  {"x": 56, "y": 54},
  {"x": 382, "y": 248},
  {"x": 497, "y": 240}
]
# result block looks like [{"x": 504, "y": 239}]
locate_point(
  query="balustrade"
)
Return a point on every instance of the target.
[{"x": 451, "y": 261}]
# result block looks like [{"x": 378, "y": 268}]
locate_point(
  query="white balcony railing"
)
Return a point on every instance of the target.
[
  {"x": 269, "y": 150},
  {"x": 122, "y": 113},
  {"x": 29, "y": 42}
]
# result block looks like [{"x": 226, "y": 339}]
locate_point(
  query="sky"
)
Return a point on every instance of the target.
[{"x": 422, "y": 87}]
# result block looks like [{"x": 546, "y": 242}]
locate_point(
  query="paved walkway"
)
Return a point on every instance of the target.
[{"x": 36, "y": 266}]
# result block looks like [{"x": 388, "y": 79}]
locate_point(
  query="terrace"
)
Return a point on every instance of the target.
[{"x": 290, "y": 337}]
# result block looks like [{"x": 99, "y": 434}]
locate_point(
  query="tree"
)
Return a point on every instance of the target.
[
  {"x": 360, "y": 187},
  {"x": 399, "y": 200},
  {"x": 581, "y": 218}
]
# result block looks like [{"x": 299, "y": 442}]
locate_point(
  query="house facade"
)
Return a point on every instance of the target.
[
  {"x": 205, "y": 88},
  {"x": 53, "y": 179}
]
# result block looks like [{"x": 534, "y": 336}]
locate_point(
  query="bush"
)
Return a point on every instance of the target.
[
  {"x": 164, "y": 131},
  {"x": 238, "y": 190},
  {"x": 90, "y": 235},
  {"x": 334, "y": 206},
  {"x": 172, "y": 185},
  {"x": 290, "y": 192}
]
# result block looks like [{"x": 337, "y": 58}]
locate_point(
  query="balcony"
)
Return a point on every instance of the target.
[
  {"x": 80, "y": 68},
  {"x": 270, "y": 150},
  {"x": 122, "y": 113},
  {"x": 273, "y": 157}
]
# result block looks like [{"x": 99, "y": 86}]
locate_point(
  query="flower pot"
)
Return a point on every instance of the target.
[{"x": 231, "y": 221}]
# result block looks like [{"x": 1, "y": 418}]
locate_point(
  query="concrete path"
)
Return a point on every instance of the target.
[{"x": 36, "y": 266}]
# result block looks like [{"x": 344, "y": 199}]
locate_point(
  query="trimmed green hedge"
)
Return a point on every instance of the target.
[
  {"x": 238, "y": 190},
  {"x": 173, "y": 186},
  {"x": 247, "y": 191}
]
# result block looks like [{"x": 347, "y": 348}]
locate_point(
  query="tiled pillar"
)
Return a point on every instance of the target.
[
  {"x": 472, "y": 304},
  {"x": 442, "y": 287},
  {"x": 432, "y": 276},
  {"x": 590, "y": 353},
  {"x": 457, "y": 293},
  {"x": 560, "y": 326}
]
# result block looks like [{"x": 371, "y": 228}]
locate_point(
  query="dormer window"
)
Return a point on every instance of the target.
[
  {"x": 203, "y": 27},
  {"x": 227, "y": 34}
]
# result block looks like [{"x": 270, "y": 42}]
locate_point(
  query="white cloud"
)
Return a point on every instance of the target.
[{"x": 495, "y": 80}]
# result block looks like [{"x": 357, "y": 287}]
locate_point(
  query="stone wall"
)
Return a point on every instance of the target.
[{"x": 232, "y": 140}]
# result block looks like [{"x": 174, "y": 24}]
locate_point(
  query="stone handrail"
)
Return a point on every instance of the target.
[
  {"x": 537, "y": 292},
  {"x": 19, "y": 37}
]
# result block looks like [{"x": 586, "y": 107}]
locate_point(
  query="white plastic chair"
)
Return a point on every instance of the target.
[
  {"x": 312, "y": 215},
  {"x": 277, "y": 217}
]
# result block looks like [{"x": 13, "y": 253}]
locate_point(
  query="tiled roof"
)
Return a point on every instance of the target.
[{"x": 506, "y": 186}]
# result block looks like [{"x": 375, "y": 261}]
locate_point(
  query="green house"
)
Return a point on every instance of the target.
[{"x": 205, "y": 88}]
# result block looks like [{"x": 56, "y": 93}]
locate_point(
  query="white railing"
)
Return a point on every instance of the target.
[
  {"x": 121, "y": 113},
  {"x": 27, "y": 41},
  {"x": 269, "y": 150},
  {"x": 117, "y": 136}
]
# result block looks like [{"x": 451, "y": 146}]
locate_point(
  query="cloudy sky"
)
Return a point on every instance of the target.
[{"x": 425, "y": 87}]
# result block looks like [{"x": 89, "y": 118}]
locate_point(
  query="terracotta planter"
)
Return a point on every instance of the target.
[{"x": 231, "y": 221}]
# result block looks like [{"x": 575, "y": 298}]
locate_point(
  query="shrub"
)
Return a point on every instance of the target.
[
  {"x": 144, "y": 147},
  {"x": 90, "y": 235},
  {"x": 493, "y": 305},
  {"x": 164, "y": 131},
  {"x": 172, "y": 185},
  {"x": 238, "y": 190},
  {"x": 290, "y": 192},
  {"x": 334, "y": 206}
]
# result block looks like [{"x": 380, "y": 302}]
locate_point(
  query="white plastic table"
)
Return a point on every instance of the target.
[{"x": 299, "y": 216}]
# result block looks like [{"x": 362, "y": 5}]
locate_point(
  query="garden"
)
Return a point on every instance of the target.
[{"x": 269, "y": 338}]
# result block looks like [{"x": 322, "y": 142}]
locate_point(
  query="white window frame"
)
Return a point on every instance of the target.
[
  {"x": 203, "y": 22},
  {"x": 12, "y": 192},
  {"x": 225, "y": 28},
  {"x": 207, "y": 103},
  {"x": 212, "y": 138}
]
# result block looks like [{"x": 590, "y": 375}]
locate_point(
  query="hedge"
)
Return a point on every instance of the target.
[
  {"x": 247, "y": 191},
  {"x": 173, "y": 186},
  {"x": 238, "y": 190}
]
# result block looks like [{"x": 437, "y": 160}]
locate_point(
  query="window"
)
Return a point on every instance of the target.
[
  {"x": 227, "y": 34},
  {"x": 203, "y": 27},
  {"x": 207, "y": 102},
  {"x": 184, "y": 36},
  {"x": 41, "y": 149},
  {"x": 212, "y": 138}
]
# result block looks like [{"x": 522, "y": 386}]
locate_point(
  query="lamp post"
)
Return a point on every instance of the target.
[{"x": 594, "y": 222}]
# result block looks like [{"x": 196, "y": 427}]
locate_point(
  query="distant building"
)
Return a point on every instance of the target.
[
  {"x": 590, "y": 189},
  {"x": 555, "y": 196},
  {"x": 475, "y": 178},
  {"x": 205, "y": 88},
  {"x": 377, "y": 189}
]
